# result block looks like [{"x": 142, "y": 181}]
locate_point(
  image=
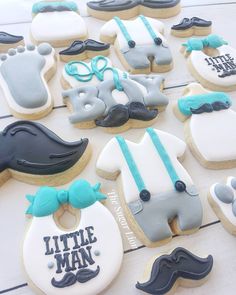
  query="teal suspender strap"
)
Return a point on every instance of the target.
[
  {"x": 124, "y": 31},
  {"x": 178, "y": 184},
  {"x": 143, "y": 192},
  {"x": 149, "y": 28}
]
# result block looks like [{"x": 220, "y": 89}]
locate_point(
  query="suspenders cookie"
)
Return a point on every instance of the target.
[
  {"x": 138, "y": 40},
  {"x": 211, "y": 62},
  {"x": 8, "y": 41},
  {"x": 31, "y": 153},
  {"x": 107, "y": 9},
  {"x": 165, "y": 272},
  {"x": 210, "y": 126},
  {"x": 24, "y": 73},
  {"x": 112, "y": 99},
  {"x": 157, "y": 194},
  {"x": 82, "y": 260},
  {"x": 57, "y": 22},
  {"x": 222, "y": 198}
]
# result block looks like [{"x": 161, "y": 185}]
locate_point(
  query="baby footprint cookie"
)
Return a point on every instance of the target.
[
  {"x": 79, "y": 260},
  {"x": 210, "y": 126},
  {"x": 57, "y": 22},
  {"x": 222, "y": 198},
  {"x": 24, "y": 73},
  {"x": 212, "y": 62}
]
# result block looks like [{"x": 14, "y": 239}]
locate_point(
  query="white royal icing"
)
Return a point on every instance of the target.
[
  {"x": 149, "y": 164},
  {"x": 214, "y": 134},
  {"x": 108, "y": 245},
  {"x": 136, "y": 30},
  {"x": 58, "y": 25},
  {"x": 225, "y": 208},
  {"x": 209, "y": 72}
]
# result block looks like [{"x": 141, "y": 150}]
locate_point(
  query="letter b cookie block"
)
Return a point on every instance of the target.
[{"x": 157, "y": 194}]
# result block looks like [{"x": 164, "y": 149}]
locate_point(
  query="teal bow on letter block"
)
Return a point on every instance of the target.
[{"x": 48, "y": 200}]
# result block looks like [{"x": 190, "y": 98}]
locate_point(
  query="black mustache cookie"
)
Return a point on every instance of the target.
[
  {"x": 126, "y": 9},
  {"x": 80, "y": 50},
  {"x": 8, "y": 41},
  {"x": 181, "y": 267},
  {"x": 31, "y": 153}
]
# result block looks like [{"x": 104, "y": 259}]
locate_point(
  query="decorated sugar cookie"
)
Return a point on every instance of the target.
[
  {"x": 107, "y": 9},
  {"x": 210, "y": 129},
  {"x": 31, "y": 153},
  {"x": 111, "y": 99},
  {"x": 57, "y": 22},
  {"x": 191, "y": 26},
  {"x": 222, "y": 198},
  {"x": 80, "y": 50},
  {"x": 8, "y": 41},
  {"x": 24, "y": 73},
  {"x": 211, "y": 61},
  {"x": 82, "y": 260},
  {"x": 156, "y": 192},
  {"x": 165, "y": 272},
  {"x": 139, "y": 44}
]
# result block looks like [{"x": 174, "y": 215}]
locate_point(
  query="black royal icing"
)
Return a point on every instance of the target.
[
  {"x": 114, "y": 5},
  {"x": 78, "y": 47},
  {"x": 30, "y": 147},
  {"x": 6, "y": 38},
  {"x": 166, "y": 269},
  {"x": 187, "y": 23}
]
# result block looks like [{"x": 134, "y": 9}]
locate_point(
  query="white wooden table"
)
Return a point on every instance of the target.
[{"x": 212, "y": 239}]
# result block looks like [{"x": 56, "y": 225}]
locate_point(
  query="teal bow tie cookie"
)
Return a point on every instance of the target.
[{"x": 48, "y": 200}]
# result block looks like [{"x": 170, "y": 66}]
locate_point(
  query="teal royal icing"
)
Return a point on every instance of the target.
[
  {"x": 131, "y": 163},
  {"x": 72, "y": 70},
  {"x": 40, "y": 6},
  {"x": 148, "y": 27},
  {"x": 123, "y": 29},
  {"x": 213, "y": 41},
  {"x": 48, "y": 200},
  {"x": 163, "y": 155},
  {"x": 185, "y": 104}
]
